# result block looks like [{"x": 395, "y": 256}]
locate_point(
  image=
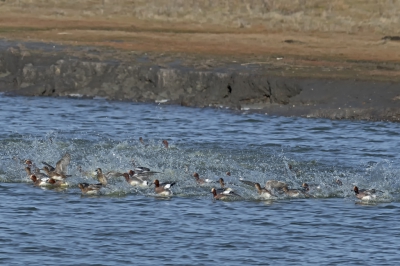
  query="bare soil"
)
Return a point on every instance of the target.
[{"x": 329, "y": 39}]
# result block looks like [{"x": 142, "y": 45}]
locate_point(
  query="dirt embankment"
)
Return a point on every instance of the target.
[{"x": 318, "y": 58}]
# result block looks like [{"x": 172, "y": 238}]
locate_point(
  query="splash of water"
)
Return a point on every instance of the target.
[{"x": 179, "y": 162}]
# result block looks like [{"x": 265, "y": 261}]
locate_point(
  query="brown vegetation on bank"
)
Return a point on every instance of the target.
[{"x": 342, "y": 38}]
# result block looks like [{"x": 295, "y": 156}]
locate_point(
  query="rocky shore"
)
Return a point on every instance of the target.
[{"x": 39, "y": 69}]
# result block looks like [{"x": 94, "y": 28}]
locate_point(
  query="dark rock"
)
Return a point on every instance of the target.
[
  {"x": 58, "y": 73},
  {"x": 391, "y": 38}
]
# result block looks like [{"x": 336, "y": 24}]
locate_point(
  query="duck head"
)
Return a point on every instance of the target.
[{"x": 165, "y": 143}]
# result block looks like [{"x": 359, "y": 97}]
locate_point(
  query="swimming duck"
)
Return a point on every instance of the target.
[
  {"x": 27, "y": 163},
  {"x": 307, "y": 187},
  {"x": 109, "y": 174},
  {"x": 221, "y": 181},
  {"x": 163, "y": 189},
  {"x": 201, "y": 181},
  {"x": 60, "y": 171},
  {"x": 134, "y": 180},
  {"x": 90, "y": 189},
  {"x": 165, "y": 143},
  {"x": 32, "y": 166},
  {"x": 103, "y": 177},
  {"x": 263, "y": 192},
  {"x": 57, "y": 183},
  {"x": 221, "y": 196},
  {"x": 365, "y": 194},
  {"x": 38, "y": 174},
  {"x": 292, "y": 193},
  {"x": 223, "y": 189},
  {"x": 40, "y": 182}
]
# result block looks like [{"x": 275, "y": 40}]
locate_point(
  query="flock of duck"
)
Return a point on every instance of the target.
[{"x": 57, "y": 176}]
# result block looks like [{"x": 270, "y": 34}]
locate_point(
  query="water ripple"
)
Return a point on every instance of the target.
[{"x": 128, "y": 225}]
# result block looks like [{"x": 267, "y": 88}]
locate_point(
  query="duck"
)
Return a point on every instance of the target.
[
  {"x": 54, "y": 174},
  {"x": 221, "y": 181},
  {"x": 144, "y": 171},
  {"x": 221, "y": 196},
  {"x": 40, "y": 182},
  {"x": 292, "y": 193},
  {"x": 263, "y": 192},
  {"x": 134, "y": 180},
  {"x": 201, "y": 181},
  {"x": 61, "y": 165},
  {"x": 60, "y": 171},
  {"x": 275, "y": 184},
  {"x": 165, "y": 143},
  {"x": 83, "y": 172},
  {"x": 307, "y": 187},
  {"x": 27, "y": 163},
  {"x": 166, "y": 184},
  {"x": 223, "y": 189},
  {"x": 109, "y": 174},
  {"x": 32, "y": 166},
  {"x": 143, "y": 177},
  {"x": 37, "y": 174},
  {"x": 90, "y": 189},
  {"x": 247, "y": 182},
  {"x": 163, "y": 189},
  {"x": 338, "y": 182},
  {"x": 49, "y": 167},
  {"x": 365, "y": 194},
  {"x": 103, "y": 177},
  {"x": 57, "y": 183}
]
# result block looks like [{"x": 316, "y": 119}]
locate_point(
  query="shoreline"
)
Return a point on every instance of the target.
[{"x": 266, "y": 86}]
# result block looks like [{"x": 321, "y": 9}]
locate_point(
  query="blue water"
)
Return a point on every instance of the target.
[{"x": 130, "y": 225}]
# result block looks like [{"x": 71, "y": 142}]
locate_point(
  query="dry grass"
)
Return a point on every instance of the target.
[
  {"x": 324, "y": 31},
  {"x": 349, "y": 16}
]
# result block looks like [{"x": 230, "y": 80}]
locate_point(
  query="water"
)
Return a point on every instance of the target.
[{"x": 126, "y": 225}]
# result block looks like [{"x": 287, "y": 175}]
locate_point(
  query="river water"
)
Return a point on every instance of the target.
[{"x": 130, "y": 225}]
